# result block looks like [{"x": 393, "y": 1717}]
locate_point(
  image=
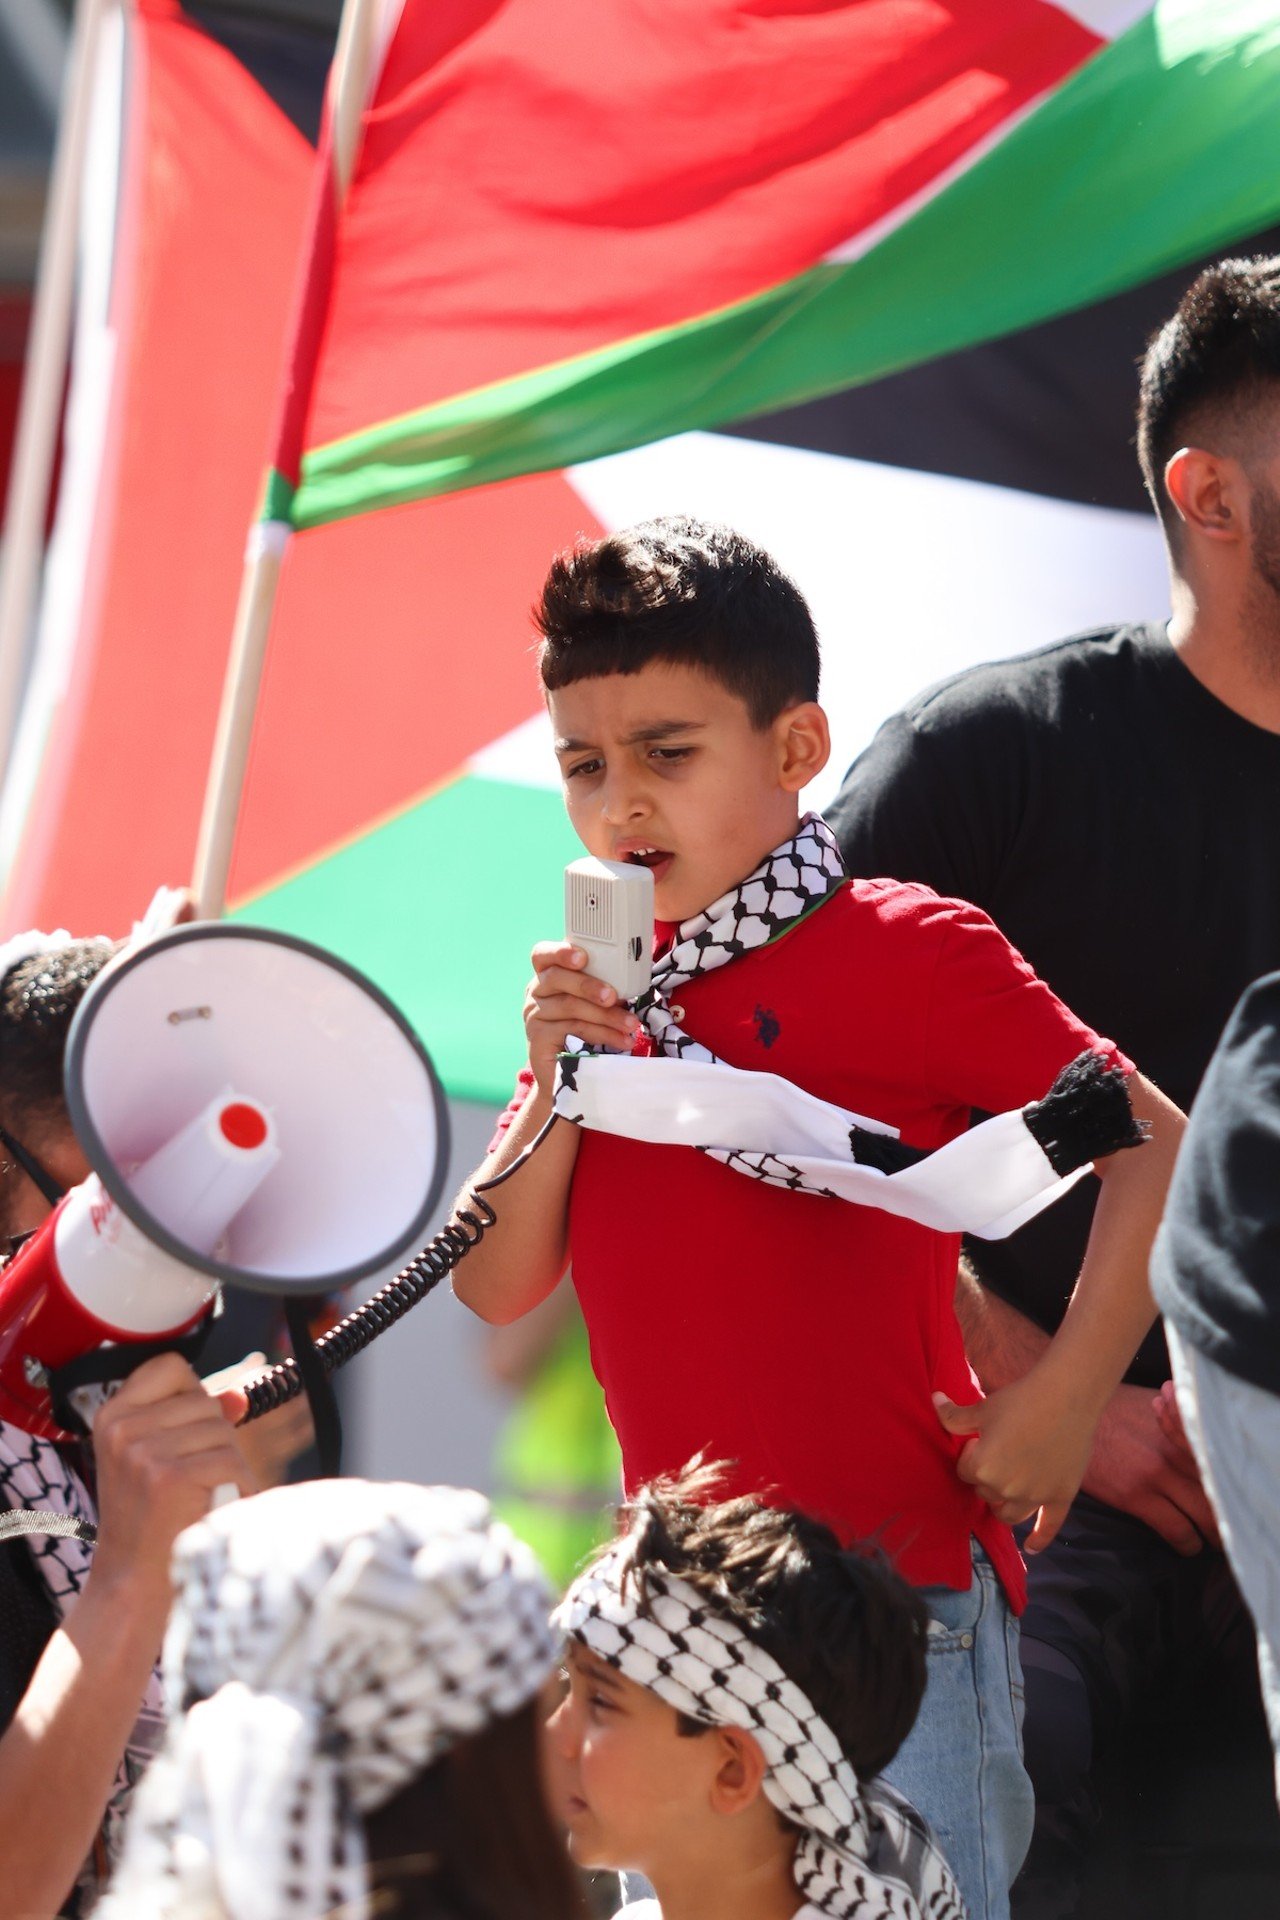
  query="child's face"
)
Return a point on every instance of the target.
[
  {"x": 663, "y": 767},
  {"x": 633, "y": 1791}
]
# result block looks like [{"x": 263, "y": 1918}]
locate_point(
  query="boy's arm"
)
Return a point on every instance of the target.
[
  {"x": 1136, "y": 1465},
  {"x": 526, "y": 1251},
  {"x": 1033, "y": 1437}
]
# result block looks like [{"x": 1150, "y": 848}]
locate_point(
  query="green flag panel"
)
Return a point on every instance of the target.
[
  {"x": 440, "y": 907},
  {"x": 1158, "y": 150}
]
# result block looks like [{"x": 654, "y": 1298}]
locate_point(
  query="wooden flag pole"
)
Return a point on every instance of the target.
[
  {"x": 40, "y": 409},
  {"x": 350, "y": 78}
]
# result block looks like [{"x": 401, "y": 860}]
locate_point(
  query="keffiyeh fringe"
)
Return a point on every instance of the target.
[
  {"x": 988, "y": 1182},
  {"x": 1084, "y": 1116}
]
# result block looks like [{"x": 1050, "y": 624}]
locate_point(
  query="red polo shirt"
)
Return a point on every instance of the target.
[{"x": 801, "y": 1338}]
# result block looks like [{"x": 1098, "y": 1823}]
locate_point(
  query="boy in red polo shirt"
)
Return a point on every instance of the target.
[{"x": 810, "y": 1341}]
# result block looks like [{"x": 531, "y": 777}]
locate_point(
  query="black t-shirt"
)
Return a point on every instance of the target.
[
  {"x": 1216, "y": 1266},
  {"x": 1121, "y": 826}
]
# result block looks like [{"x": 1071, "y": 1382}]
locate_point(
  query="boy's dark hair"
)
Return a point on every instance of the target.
[
  {"x": 838, "y": 1621},
  {"x": 1212, "y": 372},
  {"x": 38, "y": 999},
  {"x": 686, "y": 592}
]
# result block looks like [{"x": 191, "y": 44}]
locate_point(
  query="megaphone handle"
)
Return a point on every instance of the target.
[
  {"x": 318, "y": 1388},
  {"x": 102, "y": 1366}
]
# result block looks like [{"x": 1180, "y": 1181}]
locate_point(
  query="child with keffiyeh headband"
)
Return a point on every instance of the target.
[
  {"x": 763, "y": 1209},
  {"x": 735, "y": 1684}
]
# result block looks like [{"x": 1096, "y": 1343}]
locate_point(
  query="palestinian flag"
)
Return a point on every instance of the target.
[
  {"x": 568, "y": 234},
  {"x": 193, "y": 203},
  {"x": 400, "y": 805},
  {"x": 564, "y": 240}
]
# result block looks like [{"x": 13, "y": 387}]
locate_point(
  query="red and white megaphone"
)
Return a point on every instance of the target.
[{"x": 254, "y": 1111}]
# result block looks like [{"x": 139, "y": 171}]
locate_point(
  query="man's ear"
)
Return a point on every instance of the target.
[
  {"x": 740, "y": 1771},
  {"x": 804, "y": 740},
  {"x": 1209, "y": 494}
]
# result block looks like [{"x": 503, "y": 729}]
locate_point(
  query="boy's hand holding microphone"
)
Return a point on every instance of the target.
[{"x": 563, "y": 999}]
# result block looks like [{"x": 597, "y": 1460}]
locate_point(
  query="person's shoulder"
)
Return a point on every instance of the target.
[
  {"x": 882, "y": 911},
  {"x": 1025, "y": 684},
  {"x": 1222, "y": 1220},
  {"x": 1244, "y": 1074},
  {"x": 1259, "y": 1006}
]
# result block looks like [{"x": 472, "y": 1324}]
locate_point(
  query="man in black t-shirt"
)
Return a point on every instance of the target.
[
  {"x": 1216, "y": 1274},
  {"x": 1113, "y": 802}
]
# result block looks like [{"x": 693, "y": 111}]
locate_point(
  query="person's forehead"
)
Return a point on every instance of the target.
[
  {"x": 662, "y": 695},
  {"x": 592, "y": 1667},
  {"x": 583, "y": 1660}
]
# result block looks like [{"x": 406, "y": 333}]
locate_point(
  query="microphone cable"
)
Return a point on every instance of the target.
[{"x": 314, "y": 1360}]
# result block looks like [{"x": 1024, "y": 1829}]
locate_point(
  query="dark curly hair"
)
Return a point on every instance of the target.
[
  {"x": 1212, "y": 372},
  {"x": 686, "y": 592},
  {"x": 38, "y": 999},
  {"x": 838, "y": 1621}
]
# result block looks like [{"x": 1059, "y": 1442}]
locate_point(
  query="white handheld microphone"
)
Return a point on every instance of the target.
[{"x": 608, "y": 912}]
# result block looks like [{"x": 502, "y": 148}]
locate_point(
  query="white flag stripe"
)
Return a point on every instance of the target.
[
  {"x": 911, "y": 576},
  {"x": 1107, "y": 18}
]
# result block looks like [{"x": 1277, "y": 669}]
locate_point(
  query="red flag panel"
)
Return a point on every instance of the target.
[
  {"x": 521, "y": 198},
  {"x": 401, "y": 645},
  {"x": 213, "y": 193}
]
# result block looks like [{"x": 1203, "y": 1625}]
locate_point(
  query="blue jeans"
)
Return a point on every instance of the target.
[{"x": 961, "y": 1764}]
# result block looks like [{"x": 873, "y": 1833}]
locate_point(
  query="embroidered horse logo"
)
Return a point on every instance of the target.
[{"x": 767, "y": 1027}]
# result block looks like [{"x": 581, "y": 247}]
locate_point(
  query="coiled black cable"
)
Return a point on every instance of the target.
[{"x": 352, "y": 1335}]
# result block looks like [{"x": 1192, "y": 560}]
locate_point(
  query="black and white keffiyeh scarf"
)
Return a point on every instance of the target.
[
  {"x": 988, "y": 1182},
  {"x": 329, "y": 1641},
  {"x": 864, "y": 1852}
]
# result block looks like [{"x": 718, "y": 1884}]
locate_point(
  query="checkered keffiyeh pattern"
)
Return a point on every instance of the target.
[
  {"x": 989, "y": 1182},
  {"x": 864, "y": 1852},
  {"x": 35, "y": 1475},
  {"x": 329, "y": 1642},
  {"x": 796, "y": 876}
]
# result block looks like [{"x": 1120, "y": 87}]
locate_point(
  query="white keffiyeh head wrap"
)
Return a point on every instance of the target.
[
  {"x": 161, "y": 914},
  {"x": 329, "y": 1642},
  {"x": 864, "y": 1852}
]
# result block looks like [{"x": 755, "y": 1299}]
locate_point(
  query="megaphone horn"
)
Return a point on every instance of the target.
[{"x": 254, "y": 1112}]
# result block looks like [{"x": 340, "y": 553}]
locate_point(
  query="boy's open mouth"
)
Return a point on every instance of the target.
[{"x": 657, "y": 859}]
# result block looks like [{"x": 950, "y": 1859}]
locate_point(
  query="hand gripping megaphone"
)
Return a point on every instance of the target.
[{"x": 254, "y": 1112}]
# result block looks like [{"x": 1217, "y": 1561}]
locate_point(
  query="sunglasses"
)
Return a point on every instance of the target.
[{"x": 40, "y": 1177}]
